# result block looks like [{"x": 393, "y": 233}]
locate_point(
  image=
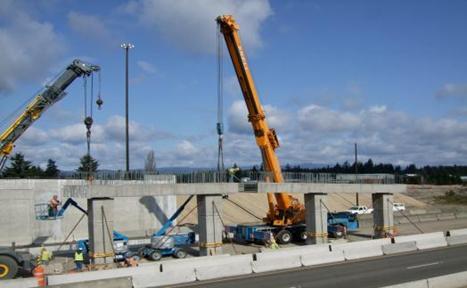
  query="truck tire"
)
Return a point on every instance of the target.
[
  {"x": 155, "y": 256},
  {"x": 180, "y": 254},
  {"x": 8, "y": 267},
  {"x": 303, "y": 236},
  {"x": 284, "y": 237}
]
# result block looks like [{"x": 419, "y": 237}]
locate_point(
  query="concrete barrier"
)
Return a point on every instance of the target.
[
  {"x": 428, "y": 218},
  {"x": 99, "y": 275},
  {"x": 299, "y": 250},
  {"x": 456, "y": 240},
  {"x": 413, "y": 284},
  {"x": 321, "y": 256},
  {"x": 123, "y": 282},
  {"x": 402, "y": 220},
  {"x": 455, "y": 280},
  {"x": 424, "y": 241},
  {"x": 446, "y": 216},
  {"x": 417, "y": 211},
  {"x": 395, "y": 248},
  {"x": 176, "y": 271},
  {"x": 456, "y": 232},
  {"x": 361, "y": 249},
  {"x": 19, "y": 283},
  {"x": 275, "y": 261},
  {"x": 226, "y": 267}
]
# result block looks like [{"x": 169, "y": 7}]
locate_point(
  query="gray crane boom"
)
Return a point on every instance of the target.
[{"x": 50, "y": 95}]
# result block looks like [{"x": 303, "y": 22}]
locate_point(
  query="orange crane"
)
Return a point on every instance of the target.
[{"x": 284, "y": 209}]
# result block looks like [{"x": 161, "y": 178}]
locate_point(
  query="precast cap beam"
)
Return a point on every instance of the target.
[{"x": 132, "y": 189}]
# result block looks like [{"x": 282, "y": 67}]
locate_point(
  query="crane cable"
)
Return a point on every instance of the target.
[
  {"x": 88, "y": 118},
  {"x": 220, "y": 103}
]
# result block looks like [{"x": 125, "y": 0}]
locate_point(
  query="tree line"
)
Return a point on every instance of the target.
[
  {"x": 19, "y": 167},
  {"x": 438, "y": 175}
]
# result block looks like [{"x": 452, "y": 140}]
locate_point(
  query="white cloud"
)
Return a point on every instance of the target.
[
  {"x": 237, "y": 118},
  {"x": 186, "y": 149},
  {"x": 317, "y": 118},
  {"x": 26, "y": 45},
  {"x": 190, "y": 24},
  {"x": 450, "y": 89},
  {"x": 90, "y": 27},
  {"x": 312, "y": 134},
  {"x": 146, "y": 67}
]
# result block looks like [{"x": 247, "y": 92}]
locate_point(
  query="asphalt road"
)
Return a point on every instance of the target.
[{"x": 376, "y": 272}]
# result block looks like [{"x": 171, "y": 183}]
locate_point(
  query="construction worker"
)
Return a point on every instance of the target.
[
  {"x": 271, "y": 242},
  {"x": 131, "y": 262},
  {"x": 45, "y": 256},
  {"x": 53, "y": 206},
  {"x": 79, "y": 259},
  {"x": 232, "y": 171}
]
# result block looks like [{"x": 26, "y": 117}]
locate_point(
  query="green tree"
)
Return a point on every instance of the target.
[
  {"x": 150, "y": 163},
  {"x": 51, "y": 171},
  {"x": 88, "y": 164},
  {"x": 35, "y": 172},
  {"x": 19, "y": 167}
]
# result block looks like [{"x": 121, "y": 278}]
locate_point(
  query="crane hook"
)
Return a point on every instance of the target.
[
  {"x": 99, "y": 103},
  {"x": 88, "y": 122}
]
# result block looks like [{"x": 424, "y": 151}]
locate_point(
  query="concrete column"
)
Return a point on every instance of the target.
[
  {"x": 209, "y": 224},
  {"x": 316, "y": 218},
  {"x": 100, "y": 226},
  {"x": 383, "y": 217}
]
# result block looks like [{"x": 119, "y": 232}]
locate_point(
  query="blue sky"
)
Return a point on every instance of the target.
[{"x": 390, "y": 75}]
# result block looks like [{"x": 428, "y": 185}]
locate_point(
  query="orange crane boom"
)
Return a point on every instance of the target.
[{"x": 283, "y": 208}]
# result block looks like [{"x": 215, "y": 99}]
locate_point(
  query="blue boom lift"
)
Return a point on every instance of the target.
[
  {"x": 120, "y": 241},
  {"x": 168, "y": 245}
]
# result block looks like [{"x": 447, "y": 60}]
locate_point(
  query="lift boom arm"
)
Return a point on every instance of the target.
[
  {"x": 288, "y": 209},
  {"x": 46, "y": 98}
]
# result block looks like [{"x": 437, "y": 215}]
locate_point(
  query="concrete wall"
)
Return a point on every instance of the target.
[{"x": 134, "y": 216}]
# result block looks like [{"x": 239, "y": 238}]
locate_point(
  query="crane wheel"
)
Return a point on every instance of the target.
[
  {"x": 284, "y": 237},
  {"x": 8, "y": 267},
  {"x": 155, "y": 256},
  {"x": 180, "y": 254}
]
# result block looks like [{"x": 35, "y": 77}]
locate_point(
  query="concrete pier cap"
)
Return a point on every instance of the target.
[{"x": 141, "y": 188}]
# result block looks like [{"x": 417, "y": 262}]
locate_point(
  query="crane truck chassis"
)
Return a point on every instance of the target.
[
  {"x": 13, "y": 263},
  {"x": 339, "y": 223}
]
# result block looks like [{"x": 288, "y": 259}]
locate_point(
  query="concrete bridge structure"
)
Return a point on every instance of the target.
[
  {"x": 101, "y": 195},
  {"x": 209, "y": 204}
]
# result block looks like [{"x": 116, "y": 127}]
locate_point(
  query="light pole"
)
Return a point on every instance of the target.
[
  {"x": 127, "y": 47},
  {"x": 356, "y": 174}
]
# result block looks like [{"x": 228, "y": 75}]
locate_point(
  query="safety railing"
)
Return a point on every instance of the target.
[{"x": 209, "y": 176}]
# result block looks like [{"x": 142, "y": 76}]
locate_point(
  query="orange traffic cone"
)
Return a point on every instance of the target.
[{"x": 39, "y": 274}]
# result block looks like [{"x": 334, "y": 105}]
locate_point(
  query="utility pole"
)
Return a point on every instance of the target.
[
  {"x": 127, "y": 47},
  {"x": 356, "y": 173}
]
